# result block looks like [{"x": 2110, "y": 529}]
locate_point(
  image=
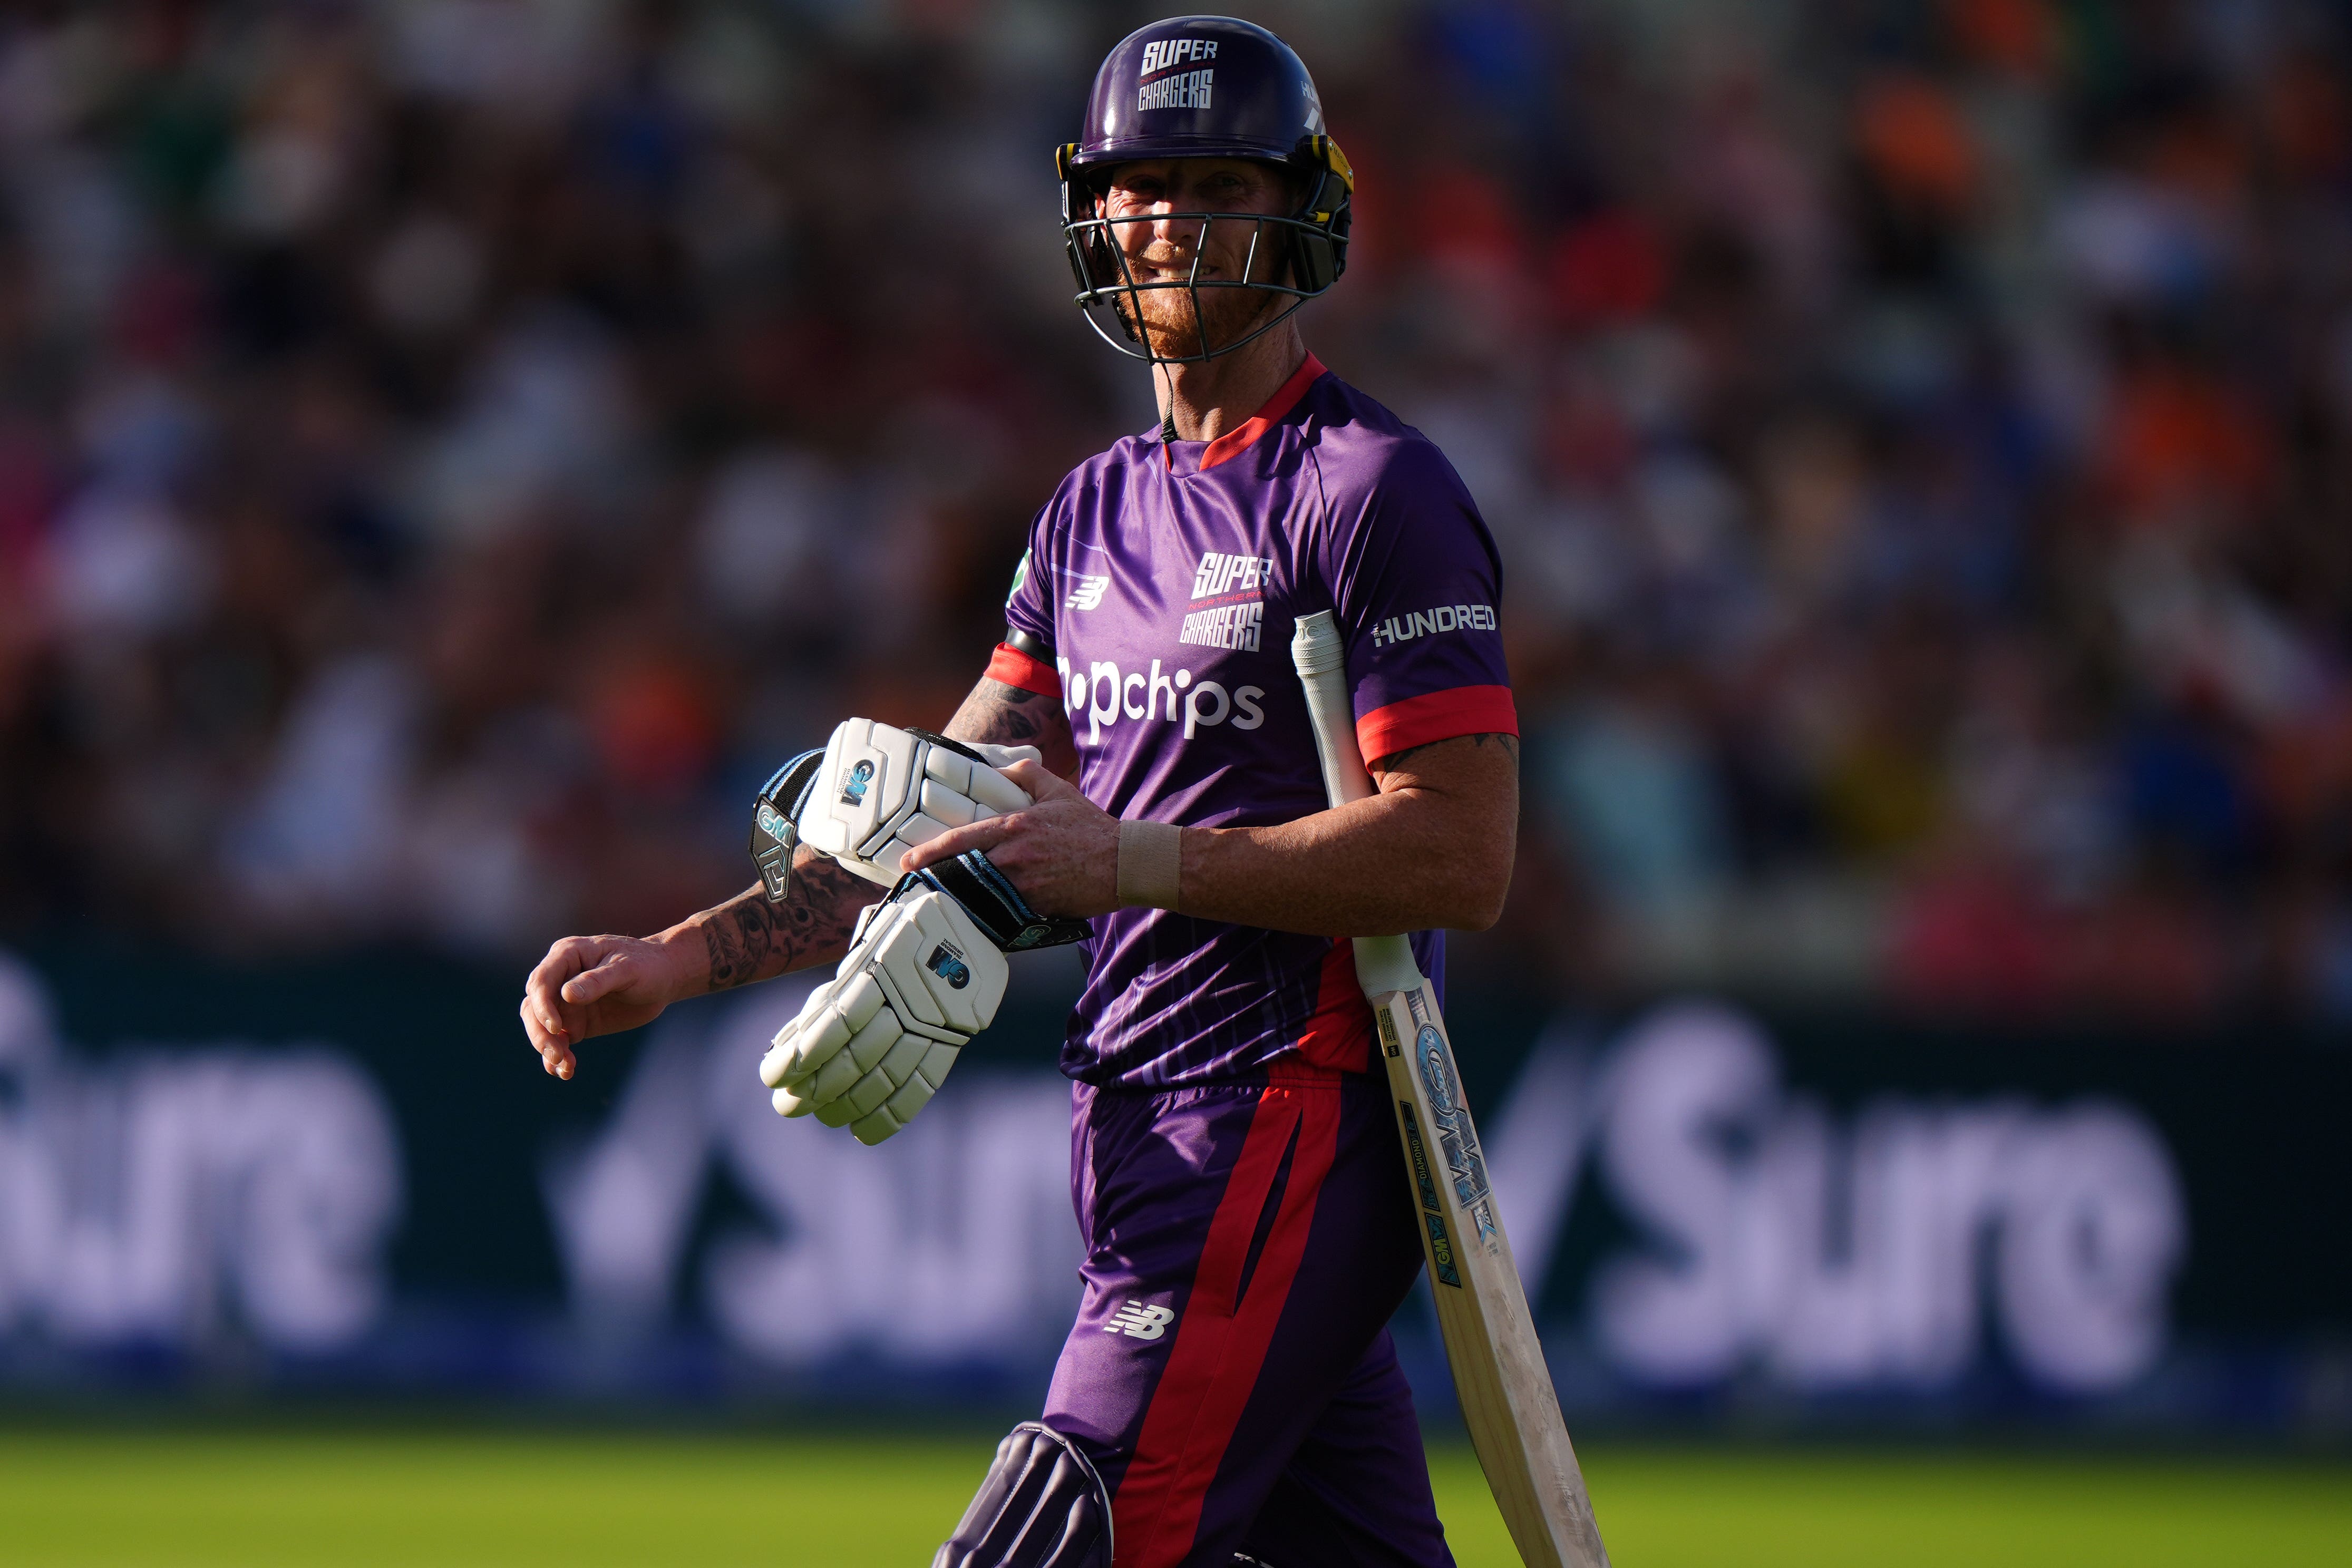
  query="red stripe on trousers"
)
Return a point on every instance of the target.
[
  {"x": 1339, "y": 1033},
  {"x": 1221, "y": 1346}
]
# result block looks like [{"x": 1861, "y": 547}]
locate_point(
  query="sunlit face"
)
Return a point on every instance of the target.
[{"x": 1166, "y": 251}]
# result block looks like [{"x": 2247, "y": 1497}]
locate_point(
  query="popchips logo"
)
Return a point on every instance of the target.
[{"x": 1101, "y": 695}]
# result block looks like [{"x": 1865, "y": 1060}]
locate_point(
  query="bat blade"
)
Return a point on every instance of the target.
[{"x": 1500, "y": 1380}]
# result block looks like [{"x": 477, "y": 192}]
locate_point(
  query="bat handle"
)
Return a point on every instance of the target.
[{"x": 1384, "y": 963}]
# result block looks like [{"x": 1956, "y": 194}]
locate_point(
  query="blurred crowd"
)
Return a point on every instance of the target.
[{"x": 451, "y": 449}]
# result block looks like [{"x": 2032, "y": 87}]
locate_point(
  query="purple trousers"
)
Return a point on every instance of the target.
[{"x": 1231, "y": 1372}]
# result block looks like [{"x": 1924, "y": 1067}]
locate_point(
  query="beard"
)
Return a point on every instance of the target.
[{"x": 1172, "y": 330}]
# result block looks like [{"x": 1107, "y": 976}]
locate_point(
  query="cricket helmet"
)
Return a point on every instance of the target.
[{"x": 1204, "y": 87}]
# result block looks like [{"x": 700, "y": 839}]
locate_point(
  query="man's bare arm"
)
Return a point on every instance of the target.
[
  {"x": 1432, "y": 848},
  {"x": 750, "y": 937},
  {"x": 588, "y": 986},
  {"x": 1008, "y": 715}
]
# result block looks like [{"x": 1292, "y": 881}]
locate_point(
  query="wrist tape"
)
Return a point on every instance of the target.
[{"x": 1150, "y": 862}]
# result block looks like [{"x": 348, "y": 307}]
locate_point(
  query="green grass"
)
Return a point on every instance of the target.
[{"x": 189, "y": 1496}]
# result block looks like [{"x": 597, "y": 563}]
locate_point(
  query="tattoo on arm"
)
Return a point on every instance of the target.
[
  {"x": 1003, "y": 714},
  {"x": 1007, "y": 715},
  {"x": 751, "y": 938},
  {"x": 1509, "y": 743}
]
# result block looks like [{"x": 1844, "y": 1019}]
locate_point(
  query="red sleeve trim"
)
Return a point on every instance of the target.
[
  {"x": 1437, "y": 715},
  {"x": 1018, "y": 670}
]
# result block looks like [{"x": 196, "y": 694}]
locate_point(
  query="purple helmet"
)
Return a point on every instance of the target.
[{"x": 1205, "y": 87}]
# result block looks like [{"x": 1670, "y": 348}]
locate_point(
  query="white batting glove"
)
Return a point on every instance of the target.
[
  {"x": 873, "y": 1044},
  {"x": 882, "y": 791}
]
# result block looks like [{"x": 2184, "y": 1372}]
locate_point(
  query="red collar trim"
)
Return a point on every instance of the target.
[{"x": 1233, "y": 443}]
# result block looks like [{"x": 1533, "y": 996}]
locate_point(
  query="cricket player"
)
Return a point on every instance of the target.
[{"x": 1136, "y": 770}]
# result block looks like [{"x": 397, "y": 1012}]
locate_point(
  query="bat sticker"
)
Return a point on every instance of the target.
[
  {"x": 1457, "y": 1140},
  {"x": 1441, "y": 1245}
]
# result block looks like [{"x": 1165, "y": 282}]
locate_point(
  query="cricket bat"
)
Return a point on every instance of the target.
[{"x": 1499, "y": 1376}]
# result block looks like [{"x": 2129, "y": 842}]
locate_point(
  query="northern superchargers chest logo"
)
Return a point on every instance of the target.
[{"x": 1237, "y": 619}]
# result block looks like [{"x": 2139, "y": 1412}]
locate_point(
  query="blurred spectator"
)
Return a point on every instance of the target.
[{"x": 450, "y": 448}]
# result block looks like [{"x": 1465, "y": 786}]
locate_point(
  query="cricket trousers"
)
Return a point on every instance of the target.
[{"x": 1231, "y": 1373}]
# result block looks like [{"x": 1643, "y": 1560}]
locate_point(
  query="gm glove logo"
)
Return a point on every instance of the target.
[
  {"x": 948, "y": 966},
  {"x": 854, "y": 783}
]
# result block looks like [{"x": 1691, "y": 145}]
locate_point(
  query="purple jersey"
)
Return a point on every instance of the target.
[{"x": 1165, "y": 577}]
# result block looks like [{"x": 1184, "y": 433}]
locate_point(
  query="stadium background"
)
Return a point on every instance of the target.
[{"x": 451, "y": 449}]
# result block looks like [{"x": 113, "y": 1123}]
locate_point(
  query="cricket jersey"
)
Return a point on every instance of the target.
[{"x": 1165, "y": 578}]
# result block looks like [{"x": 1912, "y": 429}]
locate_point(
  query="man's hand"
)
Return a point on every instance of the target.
[
  {"x": 1061, "y": 852},
  {"x": 588, "y": 986}
]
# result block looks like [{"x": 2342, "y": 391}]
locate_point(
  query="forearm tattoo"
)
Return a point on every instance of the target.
[
  {"x": 1003, "y": 715},
  {"x": 751, "y": 938}
]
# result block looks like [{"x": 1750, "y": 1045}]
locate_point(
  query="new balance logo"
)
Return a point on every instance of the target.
[
  {"x": 1138, "y": 1320},
  {"x": 1088, "y": 594}
]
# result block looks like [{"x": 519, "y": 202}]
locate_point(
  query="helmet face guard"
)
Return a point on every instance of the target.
[
  {"x": 1204, "y": 87},
  {"x": 1293, "y": 257}
]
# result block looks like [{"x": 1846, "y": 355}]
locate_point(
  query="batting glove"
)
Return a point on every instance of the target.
[
  {"x": 873, "y": 1044},
  {"x": 881, "y": 790}
]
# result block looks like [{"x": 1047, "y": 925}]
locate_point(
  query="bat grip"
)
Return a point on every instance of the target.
[{"x": 1384, "y": 963}]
